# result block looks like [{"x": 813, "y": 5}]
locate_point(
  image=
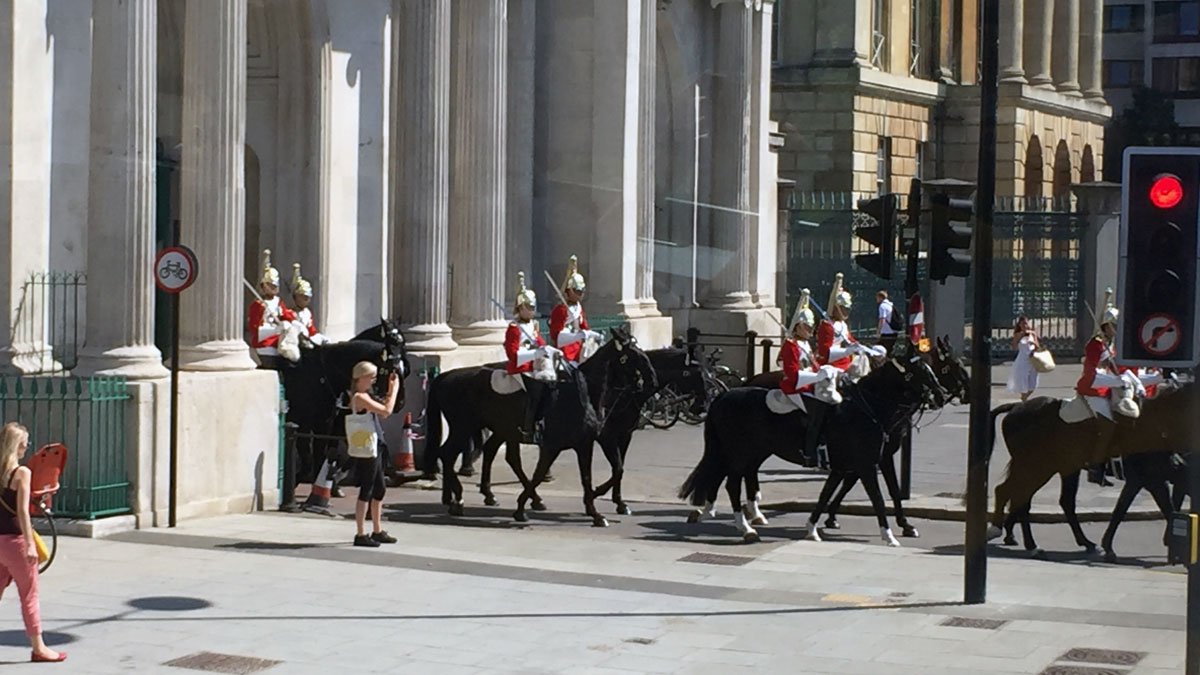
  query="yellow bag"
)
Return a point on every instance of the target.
[{"x": 43, "y": 553}]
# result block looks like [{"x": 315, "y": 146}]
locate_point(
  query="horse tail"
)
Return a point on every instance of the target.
[
  {"x": 433, "y": 428},
  {"x": 708, "y": 474}
]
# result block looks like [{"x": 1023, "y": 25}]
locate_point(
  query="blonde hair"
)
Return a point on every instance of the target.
[
  {"x": 10, "y": 439},
  {"x": 363, "y": 369}
]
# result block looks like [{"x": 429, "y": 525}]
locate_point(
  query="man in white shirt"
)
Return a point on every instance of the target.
[{"x": 887, "y": 336}]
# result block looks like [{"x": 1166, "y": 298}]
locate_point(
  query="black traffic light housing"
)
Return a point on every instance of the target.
[
  {"x": 881, "y": 235},
  {"x": 950, "y": 237},
  {"x": 1160, "y": 217}
]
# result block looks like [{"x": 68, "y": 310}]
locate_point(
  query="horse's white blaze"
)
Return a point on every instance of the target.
[
  {"x": 888, "y": 537},
  {"x": 993, "y": 532},
  {"x": 814, "y": 532},
  {"x": 743, "y": 525}
]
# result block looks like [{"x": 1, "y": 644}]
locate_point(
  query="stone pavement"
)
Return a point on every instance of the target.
[
  {"x": 551, "y": 597},
  {"x": 658, "y": 462}
]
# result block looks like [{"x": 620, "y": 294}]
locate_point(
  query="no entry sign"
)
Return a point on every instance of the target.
[
  {"x": 1160, "y": 334},
  {"x": 175, "y": 269}
]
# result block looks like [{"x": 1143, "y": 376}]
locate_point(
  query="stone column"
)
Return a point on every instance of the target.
[
  {"x": 1066, "y": 46},
  {"x": 1091, "y": 64},
  {"x": 478, "y": 171},
  {"x": 420, "y": 201},
  {"x": 212, "y": 183},
  {"x": 522, "y": 109},
  {"x": 646, "y": 178},
  {"x": 1012, "y": 41},
  {"x": 121, "y": 192},
  {"x": 1039, "y": 17},
  {"x": 732, "y": 217}
]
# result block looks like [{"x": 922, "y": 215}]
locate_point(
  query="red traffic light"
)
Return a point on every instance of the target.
[{"x": 1166, "y": 191}]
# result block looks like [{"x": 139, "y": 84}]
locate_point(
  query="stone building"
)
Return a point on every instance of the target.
[
  {"x": 412, "y": 155},
  {"x": 871, "y": 93}
]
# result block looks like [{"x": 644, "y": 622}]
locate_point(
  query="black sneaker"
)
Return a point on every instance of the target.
[
  {"x": 364, "y": 540},
  {"x": 382, "y": 537}
]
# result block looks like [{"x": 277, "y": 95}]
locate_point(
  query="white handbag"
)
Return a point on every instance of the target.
[
  {"x": 1042, "y": 360},
  {"x": 362, "y": 439}
]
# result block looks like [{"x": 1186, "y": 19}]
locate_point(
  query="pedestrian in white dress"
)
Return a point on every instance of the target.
[{"x": 1024, "y": 379}]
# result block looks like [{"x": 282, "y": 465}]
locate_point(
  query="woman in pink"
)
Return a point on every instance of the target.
[{"x": 18, "y": 555}]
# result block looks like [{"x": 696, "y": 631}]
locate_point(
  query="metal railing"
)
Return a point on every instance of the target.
[
  {"x": 87, "y": 414},
  {"x": 48, "y": 331}
]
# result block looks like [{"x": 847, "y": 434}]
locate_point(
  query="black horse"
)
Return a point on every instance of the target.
[
  {"x": 468, "y": 402},
  {"x": 1041, "y": 445},
  {"x": 741, "y": 433},
  {"x": 313, "y": 385}
]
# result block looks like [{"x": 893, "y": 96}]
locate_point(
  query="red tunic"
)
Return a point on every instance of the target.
[
  {"x": 258, "y": 317},
  {"x": 558, "y": 320},
  {"x": 513, "y": 340},
  {"x": 792, "y": 365},
  {"x": 1096, "y": 356},
  {"x": 825, "y": 342}
]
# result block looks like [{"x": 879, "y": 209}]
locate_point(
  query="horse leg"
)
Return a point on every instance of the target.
[
  {"x": 583, "y": 453},
  {"x": 512, "y": 454},
  {"x": 753, "y": 495},
  {"x": 545, "y": 459},
  {"x": 1129, "y": 492},
  {"x": 490, "y": 448},
  {"x": 831, "y": 483},
  {"x": 614, "y": 452},
  {"x": 452, "y": 489},
  {"x": 848, "y": 482},
  {"x": 733, "y": 485},
  {"x": 1162, "y": 497},
  {"x": 1009, "y": 523},
  {"x": 887, "y": 466},
  {"x": 994, "y": 529},
  {"x": 1023, "y": 516},
  {"x": 1066, "y": 500},
  {"x": 871, "y": 482}
]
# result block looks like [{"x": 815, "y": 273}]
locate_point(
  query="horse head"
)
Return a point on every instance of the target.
[
  {"x": 396, "y": 354},
  {"x": 950, "y": 372},
  {"x": 914, "y": 374},
  {"x": 631, "y": 368}
]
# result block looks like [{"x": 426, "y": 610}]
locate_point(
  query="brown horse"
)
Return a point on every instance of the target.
[{"x": 1041, "y": 445}]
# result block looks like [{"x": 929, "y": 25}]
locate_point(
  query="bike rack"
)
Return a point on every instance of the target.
[{"x": 749, "y": 340}]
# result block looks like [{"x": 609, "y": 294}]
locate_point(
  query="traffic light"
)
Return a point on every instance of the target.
[
  {"x": 1160, "y": 215},
  {"x": 881, "y": 235},
  {"x": 950, "y": 237}
]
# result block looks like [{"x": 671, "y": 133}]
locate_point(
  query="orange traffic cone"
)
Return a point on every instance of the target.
[
  {"x": 322, "y": 489},
  {"x": 404, "y": 459}
]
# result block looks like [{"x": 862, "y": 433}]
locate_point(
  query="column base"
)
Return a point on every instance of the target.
[
  {"x": 1093, "y": 94},
  {"x": 1041, "y": 81},
  {"x": 142, "y": 362},
  {"x": 429, "y": 337},
  {"x": 735, "y": 300},
  {"x": 652, "y": 332},
  {"x": 481, "y": 333},
  {"x": 1068, "y": 88},
  {"x": 28, "y": 358},
  {"x": 1014, "y": 76},
  {"x": 216, "y": 356},
  {"x": 765, "y": 321}
]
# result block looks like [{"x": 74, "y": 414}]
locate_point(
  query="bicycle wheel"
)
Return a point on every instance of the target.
[
  {"x": 49, "y": 534},
  {"x": 729, "y": 377},
  {"x": 664, "y": 412}
]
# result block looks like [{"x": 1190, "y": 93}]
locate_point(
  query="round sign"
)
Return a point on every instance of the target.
[
  {"x": 175, "y": 269},
  {"x": 1160, "y": 334}
]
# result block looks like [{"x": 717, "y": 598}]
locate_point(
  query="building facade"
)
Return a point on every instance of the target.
[
  {"x": 872, "y": 93},
  {"x": 411, "y": 155},
  {"x": 1155, "y": 44}
]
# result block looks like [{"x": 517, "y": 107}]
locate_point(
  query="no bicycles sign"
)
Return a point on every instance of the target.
[{"x": 175, "y": 269}]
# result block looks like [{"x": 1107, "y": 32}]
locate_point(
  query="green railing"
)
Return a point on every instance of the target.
[
  {"x": 48, "y": 331},
  {"x": 601, "y": 323},
  {"x": 86, "y": 414}
]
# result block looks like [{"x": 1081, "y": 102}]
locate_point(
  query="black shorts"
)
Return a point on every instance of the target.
[{"x": 369, "y": 474}]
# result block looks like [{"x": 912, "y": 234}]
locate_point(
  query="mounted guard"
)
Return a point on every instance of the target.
[
  {"x": 302, "y": 294},
  {"x": 530, "y": 359},
  {"x": 836, "y": 346},
  {"x": 569, "y": 330},
  {"x": 268, "y": 319}
]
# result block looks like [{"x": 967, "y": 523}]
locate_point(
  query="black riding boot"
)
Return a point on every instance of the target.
[
  {"x": 531, "y": 431},
  {"x": 816, "y": 417}
]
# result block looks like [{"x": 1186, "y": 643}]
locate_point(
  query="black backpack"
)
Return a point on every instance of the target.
[{"x": 895, "y": 322}]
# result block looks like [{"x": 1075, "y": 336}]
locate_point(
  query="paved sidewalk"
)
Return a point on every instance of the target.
[
  {"x": 658, "y": 462},
  {"x": 552, "y": 598}
]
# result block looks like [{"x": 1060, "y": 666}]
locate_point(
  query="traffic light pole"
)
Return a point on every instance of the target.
[
  {"x": 979, "y": 450},
  {"x": 910, "y": 290}
]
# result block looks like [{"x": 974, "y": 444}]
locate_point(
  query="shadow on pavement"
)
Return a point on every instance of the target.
[{"x": 17, "y": 638}]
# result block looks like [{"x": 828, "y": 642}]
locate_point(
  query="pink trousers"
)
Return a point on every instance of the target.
[{"x": 14, "y": 566}]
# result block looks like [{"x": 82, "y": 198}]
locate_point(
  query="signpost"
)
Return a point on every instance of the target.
[{"x": 175, "y": 269}]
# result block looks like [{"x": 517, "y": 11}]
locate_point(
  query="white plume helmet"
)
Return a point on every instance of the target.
[
  {"x": 574, "y": 280},
  {"x": 525, "y": 296},
  {"x": 1110, "y": 313},
  {"x": 803, "y": 313},
  {"x": 270, "y": 275},
  {"x": 300, "y": 285},
  {"x": 838, "y": 296}
]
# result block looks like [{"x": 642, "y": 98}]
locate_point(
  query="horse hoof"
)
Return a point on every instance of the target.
[
  {"x": 467, "y": 471},
  {"x": 520, "y": 517},
  {"x": 760, "y": 520},
  {"x": 1088, "y": 547},
  {"x": 888, "y": 537},
  {"x": 751, "y": 537},
  {"x": 456, "y": 509},
  {"x": 832, "y": 524},
  {"x": 1037, "y": 554},
  {"x": 1109, "y": 556},
  {"x": 1010, "y": 541},
  {"x": 993, "y": 532},
  {"x": 538, "y": 506},
  {"x": 490, "y": 501},
  {"x": 694, "y": 517},
  {"x": 600, "y": 521},
  {"x": 814, "y": 533},
  {"x": 910, "y": 532},
  {"x": 624, "y": 510}
]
